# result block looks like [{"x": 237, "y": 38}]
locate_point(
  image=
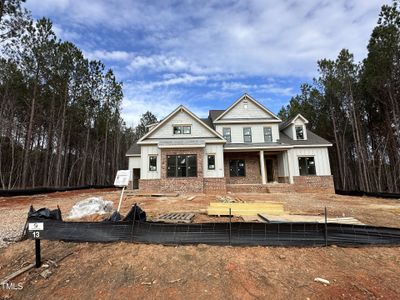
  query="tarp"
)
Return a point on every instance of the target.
[{"x": 237, "y": 233}]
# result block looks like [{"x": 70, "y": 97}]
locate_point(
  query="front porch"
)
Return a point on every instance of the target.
[{"x": 260, "y": 170}]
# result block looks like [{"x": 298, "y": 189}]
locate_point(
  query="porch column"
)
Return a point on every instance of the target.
[
  {"x": 262, "y": 167},
  {"x": 290, "y": 162}
]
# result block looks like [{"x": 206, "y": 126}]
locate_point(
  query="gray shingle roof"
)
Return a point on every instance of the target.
[
  {"x": 208, "y": 122},
  {"x": 215, "y": 113},
  {"x": 134, "y": 149},
  {"x": 286, "y": 123},
  {"x": 312, "y": 139}
]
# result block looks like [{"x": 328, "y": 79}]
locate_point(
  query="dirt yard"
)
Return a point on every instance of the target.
[{"x": 123, "y": 270}]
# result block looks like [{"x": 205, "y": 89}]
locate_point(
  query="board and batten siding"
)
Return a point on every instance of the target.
[
  {"x": 134, "y": 162},
  {"x": 257, "y": 131},
  {"x": 182, "y": 118},
  {"x": 321, "y": 158},
  {"x": 239, "y": 111},
  {"x": 218, "y": 151},
  {"x": 146, "y": 151}
]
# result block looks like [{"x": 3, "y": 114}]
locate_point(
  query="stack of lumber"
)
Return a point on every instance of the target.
[
  {"x": 244, "y": 209},
  {"x": 307, "y": 218}
]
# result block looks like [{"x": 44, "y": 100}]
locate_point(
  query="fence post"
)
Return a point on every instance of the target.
[
  {"x": 230, "y": 226},
  {"x": 37, "y": 253},
  {"x": 326, "y": 227}
]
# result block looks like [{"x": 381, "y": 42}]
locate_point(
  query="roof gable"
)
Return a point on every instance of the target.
[
  {"x": 246, "y": 107},
  {"x": 181, "y": 116},
  {"x": 293, "y": 120}
]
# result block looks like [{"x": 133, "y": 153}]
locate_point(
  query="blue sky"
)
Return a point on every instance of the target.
[{"x": 206, "y": 54}]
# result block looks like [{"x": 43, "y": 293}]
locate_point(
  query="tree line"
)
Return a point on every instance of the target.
[
  {"x": 60, "y": 122},
  {"x": 356, "y": 106}
]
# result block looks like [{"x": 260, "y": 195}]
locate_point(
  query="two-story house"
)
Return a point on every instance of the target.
[{"x": 243, "y": 148}]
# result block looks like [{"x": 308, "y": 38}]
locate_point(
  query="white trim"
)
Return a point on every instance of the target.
[
  {"x": 132, "y": 155},
  {"x": 178, "y": 109},
  {"x": 180, "y": 146},
  {"x": 246, "y": 96},
  {"x": 294, "y": 119},
  {"x": 249, "y": 121},
  {"x": 312, "y": 146}
]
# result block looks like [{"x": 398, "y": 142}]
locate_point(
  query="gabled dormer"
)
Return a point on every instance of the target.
[{"x": 295, "y": 128}]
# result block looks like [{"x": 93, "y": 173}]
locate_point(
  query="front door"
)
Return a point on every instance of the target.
[
  {"x": 135, "y": 179},
  {"x": 270, "y": 170}
]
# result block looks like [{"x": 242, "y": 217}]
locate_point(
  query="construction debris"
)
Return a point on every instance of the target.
[
  {"x": 322, "y": 280},
  {"x": 90, "y": 206},
  {"x": 245, "y": 209},
  {"x": 174, "y": 218},
  {"x": 307, "y": 218}
]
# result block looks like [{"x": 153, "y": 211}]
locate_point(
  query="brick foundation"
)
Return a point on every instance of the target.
[
  {"x": 197, "y": 184},
  {"x": 214, "y": 185},
  {"x": 314, "y": 184}
]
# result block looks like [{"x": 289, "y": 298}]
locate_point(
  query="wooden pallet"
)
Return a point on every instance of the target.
[
  {"x": 174, "y": 218},
  {"x": 244, "y": 209}
]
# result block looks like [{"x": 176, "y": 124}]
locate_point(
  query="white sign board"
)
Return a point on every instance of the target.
[
  {"x": 122, "y": 178},
  {"x": 35, "y": 226}
]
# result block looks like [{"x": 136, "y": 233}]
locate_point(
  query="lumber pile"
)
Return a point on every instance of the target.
[
  {"x": 270, "y": 218},
  {"x": 244, "y": 209}
]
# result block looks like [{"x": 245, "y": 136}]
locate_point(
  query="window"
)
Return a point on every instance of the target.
[
  {"x": 181, "y": 166},
  {"x": 211, "y": 161},
  {"x": 245, "y": 104},
  {"x": 152, "y": 163},
  {"x": 299, "y": 133},
  {"x": 247, "y": 134},
  {"x": 226, "y": 132},
  {"x": 267, "y": 134},
  {"x": 306, "y": 166},
  {"x": 237, "y": 168},
  {"x": 185, "y": 129}
]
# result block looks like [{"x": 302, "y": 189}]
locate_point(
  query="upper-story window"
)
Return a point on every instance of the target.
[
  {"x": 247, "y": 134},
  {"x": 226, "y": 132},
  {"x": 182, "y": 129},
  {"x": 267, "y": 134},
  {"x": 299, "y": 132},
  {"x": 245, "y": 104}
]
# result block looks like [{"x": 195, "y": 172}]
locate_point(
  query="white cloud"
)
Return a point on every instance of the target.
[
  {"x": 109, "y": 55},
  {"x": 258, "y": 37}
]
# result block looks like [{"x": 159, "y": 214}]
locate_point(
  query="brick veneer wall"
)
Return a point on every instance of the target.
[
  {"x": 312, "y": 184},
  {"x": 215, "y": 185},
  {"x": 252, "y": 167},
  {"x": 183, "y": 184}
]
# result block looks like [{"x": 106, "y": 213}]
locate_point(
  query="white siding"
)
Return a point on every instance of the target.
[
  {"x": 257, "y": 131},
  {"x": 182, "y": 118},
  {"x": 252, "y": 111},
  {"x": 134, "y": 163},
  {"x": 283, "y": 168},
  {"x": 218, "y": 151},
  {"x": 146, "y": 151},
  {"x": 320, "y": 155}
]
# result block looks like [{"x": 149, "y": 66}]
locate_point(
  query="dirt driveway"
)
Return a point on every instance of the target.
[{"x": 123, "y": 270}]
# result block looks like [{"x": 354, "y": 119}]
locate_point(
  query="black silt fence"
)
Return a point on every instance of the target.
[
  {"x": 239, "y": 234},
  {"x": 47, "y": 190},
  {"x": 369, "y": 194}
]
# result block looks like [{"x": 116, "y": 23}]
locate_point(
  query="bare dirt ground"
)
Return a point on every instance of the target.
[{"x": 123, "y": 270}]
